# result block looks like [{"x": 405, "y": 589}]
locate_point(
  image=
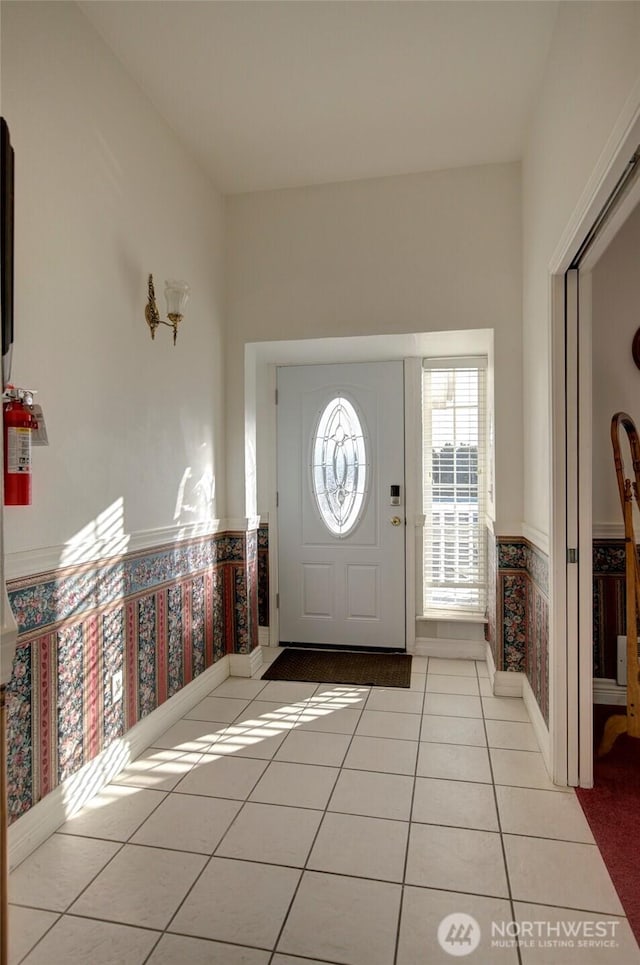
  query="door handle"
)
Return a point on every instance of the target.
[{"x": 396, "y": 521}]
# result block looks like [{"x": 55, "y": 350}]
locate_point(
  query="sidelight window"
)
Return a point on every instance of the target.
[{"x": 454, "y": 489}]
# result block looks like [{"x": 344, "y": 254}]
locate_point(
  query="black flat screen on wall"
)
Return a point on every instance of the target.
[{"x": 6, "y": 260}]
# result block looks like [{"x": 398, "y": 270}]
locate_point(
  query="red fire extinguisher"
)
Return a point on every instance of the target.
[{"x": 19, "y": 423}]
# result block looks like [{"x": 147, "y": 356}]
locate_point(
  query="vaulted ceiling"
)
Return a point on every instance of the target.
[{"x": 281, "y": 93}]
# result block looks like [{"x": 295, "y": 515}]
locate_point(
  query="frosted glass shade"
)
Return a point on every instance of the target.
[{"x": 177, "y": 295}]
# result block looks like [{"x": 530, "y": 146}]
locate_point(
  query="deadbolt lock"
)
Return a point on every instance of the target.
[{"x": 396, "y": 521}]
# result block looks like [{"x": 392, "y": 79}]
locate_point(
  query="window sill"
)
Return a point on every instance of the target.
[{"x": 453, "y": 616}]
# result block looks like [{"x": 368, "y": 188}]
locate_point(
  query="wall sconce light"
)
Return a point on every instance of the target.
[{"x": 177, "y": 295}]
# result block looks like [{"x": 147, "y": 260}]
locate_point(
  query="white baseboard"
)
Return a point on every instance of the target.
[
  {"x": 540, "y": 729},
  {"x": 504, "y": 683},
  {"x": 264, "y": 636},
  {"x": 508, "y": 683},
  {"x": 488, "y": 656},
  {"x": 607, "y": 691},
  {"x": 454, "y": 649},
  {"x": 45, "y": 817},
  {"x": 245, "y": 664}
]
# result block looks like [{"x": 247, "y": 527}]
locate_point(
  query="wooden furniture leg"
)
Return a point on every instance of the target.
[{"x": 628, "y": 723}]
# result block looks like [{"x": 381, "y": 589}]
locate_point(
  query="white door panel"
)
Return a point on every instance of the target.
[
  {"x": 363, "y": 591},
  {"x": 346, "y": 587},
  {"x": 317, "y": 590}
]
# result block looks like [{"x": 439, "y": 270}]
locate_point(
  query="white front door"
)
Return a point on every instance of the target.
[{"x": 341, "y": 507}]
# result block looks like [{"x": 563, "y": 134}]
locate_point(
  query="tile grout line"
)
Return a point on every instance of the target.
[
  {"x": 499, "y": 819},
  {"x": 44, "y": 934},
  {"x": 403, "y": 884},
  {"x": 315, "y": 837}
]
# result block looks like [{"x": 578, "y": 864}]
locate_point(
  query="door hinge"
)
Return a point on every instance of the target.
[
  {"x": 277, "y": 601},
  {"x": 572, "y": 555},
  {"x": 276, "y": 393},
  {"x": 277, "y": 499}
]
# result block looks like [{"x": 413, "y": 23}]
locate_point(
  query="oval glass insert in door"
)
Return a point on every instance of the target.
[{"x": 339, "y": 468}]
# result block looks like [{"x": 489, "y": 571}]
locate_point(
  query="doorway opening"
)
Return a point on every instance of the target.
[
  {"x": 262, "y": 360},
  {"x": 580, "y": 455}
]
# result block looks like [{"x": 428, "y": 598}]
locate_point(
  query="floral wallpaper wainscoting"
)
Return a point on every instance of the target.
[
  {"x": 520, "y": 636},
  {"x": 159, "y": 617}
]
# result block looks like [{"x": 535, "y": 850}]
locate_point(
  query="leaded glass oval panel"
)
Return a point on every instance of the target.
[{"x": 339, "y": 466}]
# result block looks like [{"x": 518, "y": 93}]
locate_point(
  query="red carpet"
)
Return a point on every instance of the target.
[{"x": 612, "y": 808}]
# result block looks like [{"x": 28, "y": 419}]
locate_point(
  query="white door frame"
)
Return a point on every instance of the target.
[
  {"x": 579, "y": 528},
  {"x": 584, "y": 653},
  {"x": 571, "y": 596},
  {"x": 410, "y": 502},
  {"x": 261, "y": 362}
]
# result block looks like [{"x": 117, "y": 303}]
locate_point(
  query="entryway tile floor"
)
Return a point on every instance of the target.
[{"x": 296, "y": 824}]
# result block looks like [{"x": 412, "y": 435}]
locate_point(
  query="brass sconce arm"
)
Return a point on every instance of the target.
[
  {"x": 151, "y": 312},
  {"x": 177, "y": 294}
]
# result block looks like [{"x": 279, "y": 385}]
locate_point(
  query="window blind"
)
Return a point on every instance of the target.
[{"x": 454, "y": 484}]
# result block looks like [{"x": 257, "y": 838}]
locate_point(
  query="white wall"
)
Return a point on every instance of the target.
[
  {"x": 105, "y": 194},
  {"x": 420, "y": 253},
  {"x": 616, "y": 379},
  {"x": 593, "y": 66}
]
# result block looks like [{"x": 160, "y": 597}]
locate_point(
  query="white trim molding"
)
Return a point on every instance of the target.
[
  {"x": 98, "y": 550},
  {"x": 536, "y": 537},
  {"x": 610, "y": 165},
  {"x": 540, "y": 729},
  {"x": 45, "y": 817},
  {"x": 504, "y": 683},
  {"x": 245, "y": 664},
  {"x": 558, "y": 623},
  {"x": 508, "y": 683},
  {"x": 607, "y": 691},
  {"x": 264, "y": 636},
  {"x": 452, "y": 616},
  {"x": 608, "y": 530},
  {"x": 488, "y": 656},
  {"x": 240, "y": 524},
  {"x": 502, "y": 530},
  {"x": 448, "y": 648}
]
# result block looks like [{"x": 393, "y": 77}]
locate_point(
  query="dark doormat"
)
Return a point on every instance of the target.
[{"x": 342, "y": 667}]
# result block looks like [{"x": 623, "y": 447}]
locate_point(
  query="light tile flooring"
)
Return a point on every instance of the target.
[{"x": 292, "y": 824}]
